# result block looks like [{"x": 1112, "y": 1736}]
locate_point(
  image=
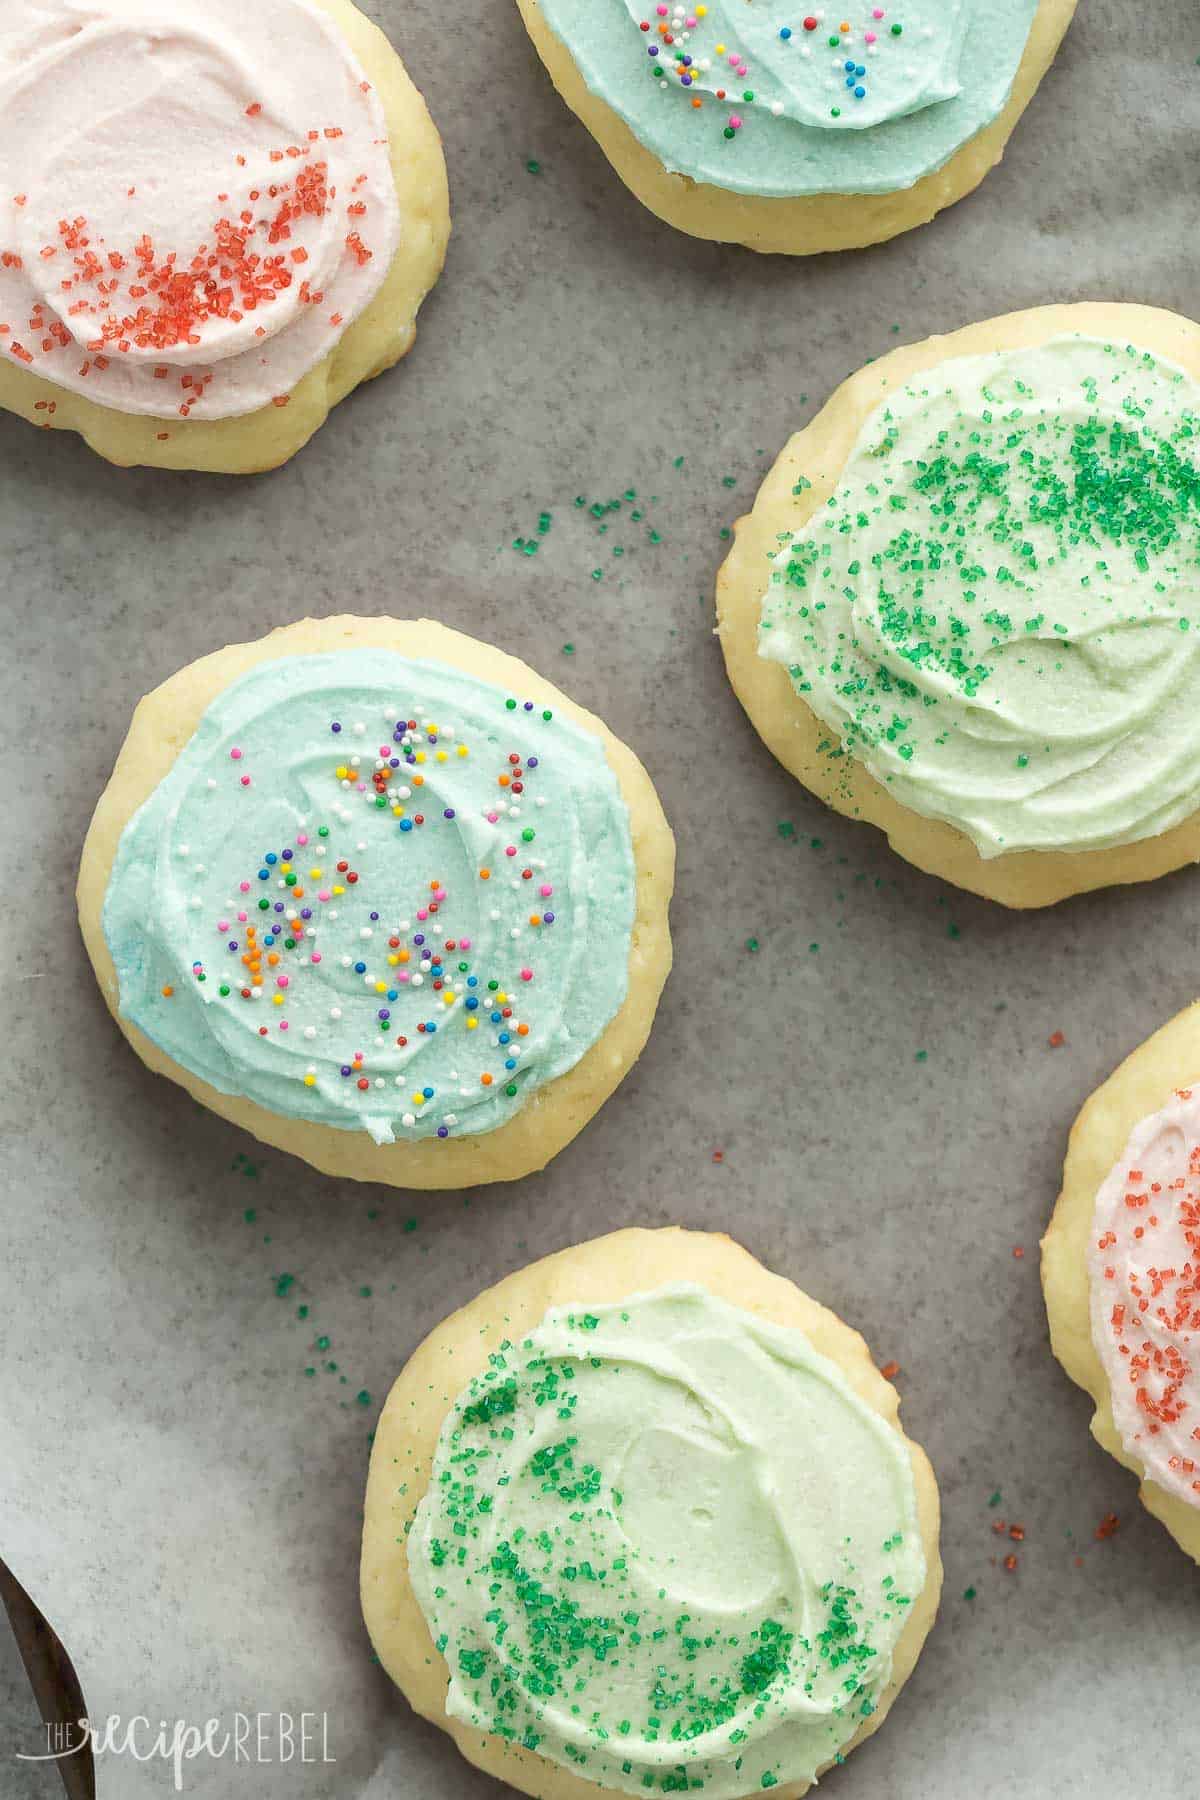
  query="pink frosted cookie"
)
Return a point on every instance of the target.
[
  {"x": 1121, "y": 1270},
  {"x": 217, "y": 220}
]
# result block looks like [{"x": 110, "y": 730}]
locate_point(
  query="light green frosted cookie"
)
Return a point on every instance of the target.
[
  {"x": 651, "y": 1509},
  {"x": 966, "y": 606}
]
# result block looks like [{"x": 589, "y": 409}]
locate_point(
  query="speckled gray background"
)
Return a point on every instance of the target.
[{"x": 183, "y": 1502}]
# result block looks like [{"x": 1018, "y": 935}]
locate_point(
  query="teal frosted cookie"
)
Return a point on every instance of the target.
[
  {"x": 663, "y": 1532},
  {"x": 378, "y": 897},
  {"x": 798, "y": 129},
  {"x": 967, "y": 604}
]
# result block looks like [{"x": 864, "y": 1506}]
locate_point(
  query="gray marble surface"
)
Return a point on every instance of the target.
[{"x": 181, "y": 1499}]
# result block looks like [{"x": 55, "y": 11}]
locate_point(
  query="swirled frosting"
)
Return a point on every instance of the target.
[
  {"x": 196, "y": 198},
  {"x": 1144, "y": 1276},
  {"x": 997, "y": 611},
  {"x": 779, "y": 101},
  {"x": 378, "y": 894},
  {"x": 667, "y": 1546}
]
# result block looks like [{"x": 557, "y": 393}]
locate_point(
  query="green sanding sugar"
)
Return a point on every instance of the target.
[{"x": 610, "y": 512}]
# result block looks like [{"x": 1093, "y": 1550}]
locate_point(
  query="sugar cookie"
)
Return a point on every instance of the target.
[
  {"x": 217, "y": 220},
  {"x": 966, "y": 605},
  {"x": 384, "y": 897},
  {"x": 643, "y": 1517},
  {"x": 1121, "y": 1270},
  {"x": 796, "y": 131}
]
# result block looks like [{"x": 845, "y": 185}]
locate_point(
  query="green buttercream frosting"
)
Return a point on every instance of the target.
[
  {"x": 666, "y": 1546},
  {"x": 998, "y": 609},
  {"x": 298, "y": 914},
  {"x": 788, "y": 109}
]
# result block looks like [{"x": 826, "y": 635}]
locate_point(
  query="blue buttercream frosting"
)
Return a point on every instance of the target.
[
  {"x": 377, "y": 894},
  {"x": 787, "y": 110}
]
